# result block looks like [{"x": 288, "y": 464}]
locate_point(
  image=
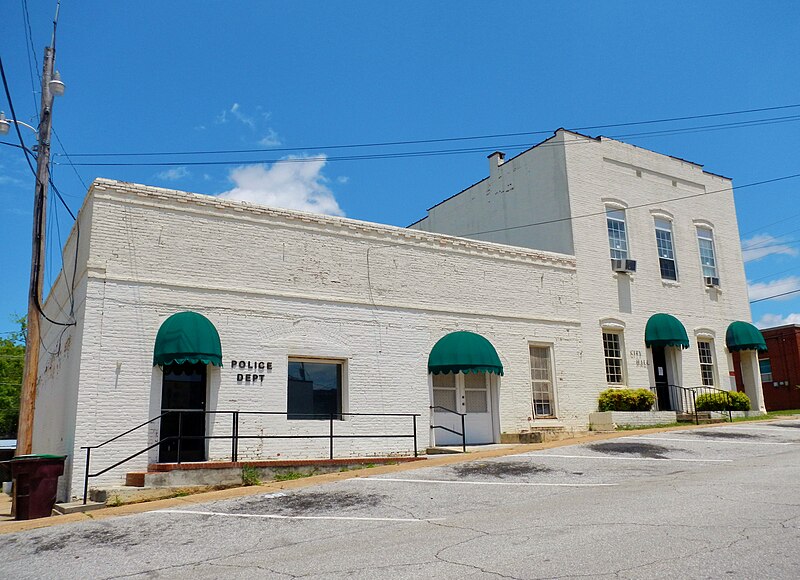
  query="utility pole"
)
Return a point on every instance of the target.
[{"x": 30, "y": 373}]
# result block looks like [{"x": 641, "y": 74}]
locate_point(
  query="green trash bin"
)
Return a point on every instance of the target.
[{"x": 35, "y": 484}]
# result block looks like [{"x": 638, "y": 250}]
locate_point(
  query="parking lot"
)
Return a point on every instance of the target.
[{"x": 721, "y": 501}]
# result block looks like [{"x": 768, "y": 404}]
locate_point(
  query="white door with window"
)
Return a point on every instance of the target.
[{"x": 463, "y": 393}]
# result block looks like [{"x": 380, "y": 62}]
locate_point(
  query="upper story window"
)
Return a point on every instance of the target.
[
  {"x": 666, "y": 250},
  {"x": 617, "y": 234},
  {"x": 708, "y": 259}
]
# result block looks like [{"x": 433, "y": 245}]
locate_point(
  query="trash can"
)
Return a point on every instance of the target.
[{"x": 35, "y": 484}]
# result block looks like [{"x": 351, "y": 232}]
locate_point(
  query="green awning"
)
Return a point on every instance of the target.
[
  {"x": 187, "y": 337},
  {"x": 464, "y": 352},
  {"x": 665, "y": 330},
  {"x": 744, "y": 336}
]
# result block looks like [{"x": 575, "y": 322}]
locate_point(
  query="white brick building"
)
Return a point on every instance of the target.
[
  {"x": 597, "y": 198},
  {"x": 286, "y": 288},
  {"x": 295, "y": 314}
]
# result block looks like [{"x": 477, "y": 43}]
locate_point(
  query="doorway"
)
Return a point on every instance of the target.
[
  {"x": 661, "y": 378},
  {"x": 183, "y": 398},
  {"x": 471, "y": 394}
]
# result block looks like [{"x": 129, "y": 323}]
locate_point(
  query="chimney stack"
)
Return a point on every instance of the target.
[{"x": 495, "y": 161}]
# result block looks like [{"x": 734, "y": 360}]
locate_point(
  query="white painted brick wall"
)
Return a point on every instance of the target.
[
  {"x": 595, "y": 170},
  {"x": 278, "y": 283}
]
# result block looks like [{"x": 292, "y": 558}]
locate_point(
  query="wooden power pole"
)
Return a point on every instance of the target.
[{"x": 30, "y": 373}]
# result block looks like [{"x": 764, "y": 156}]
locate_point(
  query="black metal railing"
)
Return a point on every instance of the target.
[
  {"x": 684, "y": 400},
  {"x": 235, "y": 435},
  {"x": 462, "y": 434}
]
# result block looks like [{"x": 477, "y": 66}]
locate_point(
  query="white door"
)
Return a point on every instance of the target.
[{"x": 470, "y": 394}]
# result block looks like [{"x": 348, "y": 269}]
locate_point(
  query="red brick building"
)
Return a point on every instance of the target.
[{"x": 780, "y": 368}]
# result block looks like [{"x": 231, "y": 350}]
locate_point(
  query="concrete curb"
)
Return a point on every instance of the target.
[{"x": 12, "y": 526}]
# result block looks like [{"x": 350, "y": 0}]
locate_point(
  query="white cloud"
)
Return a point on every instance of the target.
[
  {"x": 342, "y": 179},
  {"x": 271, "y": 139},
  {"x": 236, "y": 111},
  {"x": 770, "y": 320},
  {"x": 173, "y": 174},
  {"x": 763, "y": 245},
  {"x": 286, "y": 184},
  {"x": 773, "y": 287}
]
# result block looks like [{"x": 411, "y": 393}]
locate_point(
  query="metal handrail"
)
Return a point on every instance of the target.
[
  {"x": 463, "y": 433},
  {"x": 682, "y": 395},
  {"x": 235, "y": 436}
]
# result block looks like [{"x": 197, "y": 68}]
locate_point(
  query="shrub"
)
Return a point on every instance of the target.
[
  {"x": 626, "y": 400},
  {"x": 723, "y": 402}
]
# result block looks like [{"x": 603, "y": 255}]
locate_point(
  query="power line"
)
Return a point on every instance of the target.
[
  {"x": 428, "y": 152},
  {"x": 440, "y": 140},
  {"x": 775, "y": 296}
]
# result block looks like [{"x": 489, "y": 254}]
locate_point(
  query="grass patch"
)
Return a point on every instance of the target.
[
  {"x": 250, "y": 476},
  {"x": 640, "y": 427},
  {"x": 290, "y": 475}
]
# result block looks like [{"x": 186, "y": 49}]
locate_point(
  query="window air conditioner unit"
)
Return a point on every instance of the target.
[
  {"x": 625, "y": 266},
  {"x": 711, "y": 281}
]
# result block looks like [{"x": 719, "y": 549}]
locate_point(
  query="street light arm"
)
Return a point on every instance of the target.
[{"x": 5, "y": 124}]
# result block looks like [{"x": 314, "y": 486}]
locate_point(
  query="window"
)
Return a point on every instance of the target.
[
  {"x": 766, "y": 370},
  {"x": 444, "y": 391},
  {"x": 314, "y": 389},
  {"x": 705, "y": 239},
  {"x": 706, "y": 362},
  {"x": 617, "y": 237},
  {"x": 542, "y": 381},
  {"x": 612, "y": 346},
  {"x": 666, "y": 250}
]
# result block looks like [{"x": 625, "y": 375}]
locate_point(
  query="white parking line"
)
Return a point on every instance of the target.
[
  {"x": 282, "y": 517},
  {"x": 772, "y": 429},
  {"x": 543, "y": 456},
  {"x": 710, "y": 440},
  {"x": 511, "y": 483}
]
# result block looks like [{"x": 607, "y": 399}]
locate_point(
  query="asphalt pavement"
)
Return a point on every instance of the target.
[{"x": 719, "y": 502}]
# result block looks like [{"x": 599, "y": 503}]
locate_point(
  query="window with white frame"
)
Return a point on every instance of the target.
[
  {"x": 314, "y": 389},
  {"x": 444, "y": 392},
  {"x": 617, "y": 234},
  {"x": 666, "y": 250},
  {"x": 765, "y": 366},
  {"x": 706, "y": 352},
  {"x": 542, "y": 381},
  {"x": 612, "y": 348},
  {"x": 708, "y": 259}
]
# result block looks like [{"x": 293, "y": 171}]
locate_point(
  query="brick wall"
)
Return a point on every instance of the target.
[{"x": 279, "y": 283}]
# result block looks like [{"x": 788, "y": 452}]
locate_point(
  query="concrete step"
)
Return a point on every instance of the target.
[
  {"x": 442, "y": 450},
  {"x": 74, "y": 507}
]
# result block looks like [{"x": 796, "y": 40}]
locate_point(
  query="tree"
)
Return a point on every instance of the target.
[{"x": 12, "y": 359}]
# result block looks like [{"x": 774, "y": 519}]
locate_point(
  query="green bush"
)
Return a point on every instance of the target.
[
  {"x": 723, "y": 401},
  {"x": 626, "y": 400}
]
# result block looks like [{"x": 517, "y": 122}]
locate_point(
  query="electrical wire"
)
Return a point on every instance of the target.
[
  {"x": 429, "y": 152},
  {"x": 439, "y": 140},
  {"x": 775, "y": 296}
]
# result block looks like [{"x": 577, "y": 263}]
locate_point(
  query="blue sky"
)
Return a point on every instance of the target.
[{"x": 151, "y": 76}]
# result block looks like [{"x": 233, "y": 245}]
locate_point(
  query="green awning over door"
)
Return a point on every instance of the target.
[
  {"x": 744, "y": 336},
  {"x": 464, "y": 352},
  {"x": 187, "y": 337},
  {"x": 665, "y": 330}
]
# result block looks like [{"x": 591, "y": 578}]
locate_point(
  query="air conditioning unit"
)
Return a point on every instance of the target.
[
  {"x": 711, "y": 281},
  {"x": 624, "y": 266}
]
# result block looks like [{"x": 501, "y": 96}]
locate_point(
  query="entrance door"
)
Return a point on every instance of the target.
[
  {"x": 470, "y": 394},
  {"x": 662, "y": 380},
  {"x": 183, "y": 394}
]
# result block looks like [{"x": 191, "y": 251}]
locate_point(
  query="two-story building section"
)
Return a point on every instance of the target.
[{"x": 659, "y": 266}]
